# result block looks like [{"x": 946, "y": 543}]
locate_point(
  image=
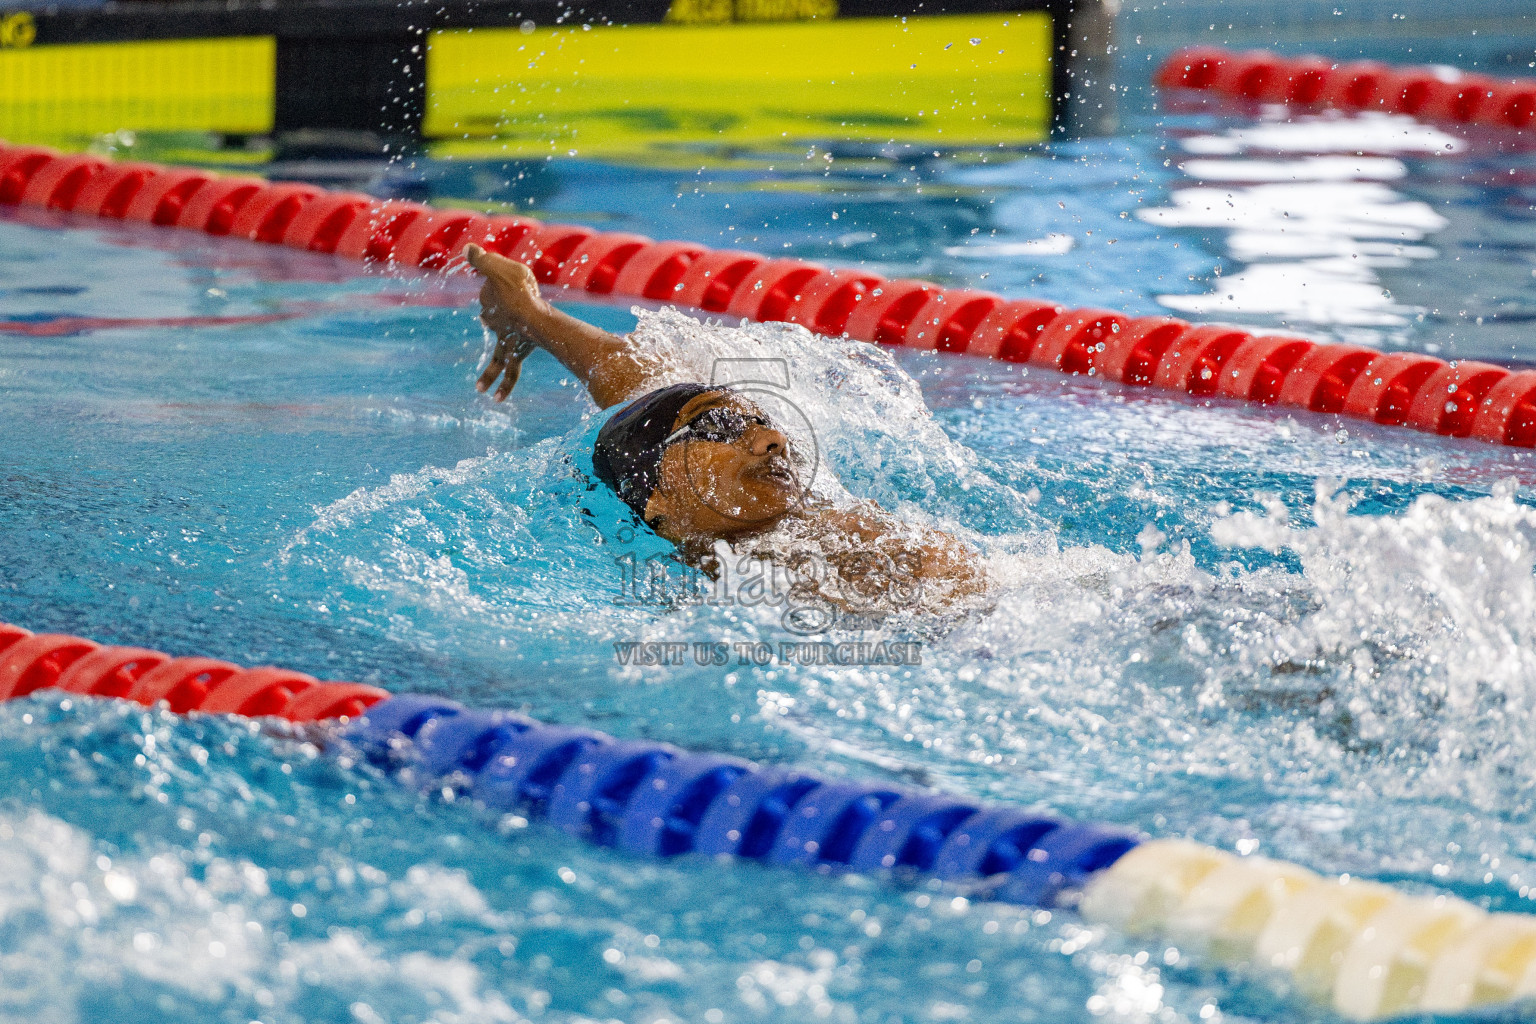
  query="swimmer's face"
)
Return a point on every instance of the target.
[{"x": 730, "y": 473}]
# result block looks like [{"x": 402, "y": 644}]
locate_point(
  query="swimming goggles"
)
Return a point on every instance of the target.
[{"x": 720, "y": 425}]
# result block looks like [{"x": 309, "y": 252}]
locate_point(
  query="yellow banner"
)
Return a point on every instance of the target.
[
  {"x": 50, "y": 93},
  {"x": 951, "y": 80}
]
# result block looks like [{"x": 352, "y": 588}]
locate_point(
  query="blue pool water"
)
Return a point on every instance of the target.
[{"x": 1264, "y": 630}]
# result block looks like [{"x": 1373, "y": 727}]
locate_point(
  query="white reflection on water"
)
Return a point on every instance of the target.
[
  {"x": 1310, "y": 215},
  {"x": 1053, "y": 244},
  {"x": 1330, "y": 133},
  {"x": 1312, "y": 168}
]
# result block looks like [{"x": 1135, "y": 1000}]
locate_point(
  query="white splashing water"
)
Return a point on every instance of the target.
[
  {"x": 1434, "y": 610},
  {"x": 78, "y": 919}
]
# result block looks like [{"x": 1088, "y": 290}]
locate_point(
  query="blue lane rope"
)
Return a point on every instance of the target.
[
  {"x": 655, "y": 800},
  {"x": 1369, "y": 950}
]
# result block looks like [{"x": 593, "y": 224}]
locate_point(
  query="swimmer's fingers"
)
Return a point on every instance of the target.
[
  {"x": 509, "y": 380},
  {"x": 506, "y": 342},
  {"x": 506, "y": 346},
  {"x": 491, "y": 372},
  {"x": 507, "y": 363},
  {"x": 522, "y": 351}
]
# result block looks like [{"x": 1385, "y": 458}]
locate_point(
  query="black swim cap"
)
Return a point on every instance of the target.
[{"x": 627, "y": 455}]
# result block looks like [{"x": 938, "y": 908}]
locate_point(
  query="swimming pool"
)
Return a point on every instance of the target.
[{"x": 300, "y": 473}]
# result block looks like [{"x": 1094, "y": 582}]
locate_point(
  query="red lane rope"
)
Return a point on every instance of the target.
[
  {"x": 1460, "y": 399},
  {"x": 30, "y": 662},
  {"x": 1432, "y": 94}
]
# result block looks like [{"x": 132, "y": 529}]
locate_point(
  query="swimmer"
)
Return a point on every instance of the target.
[{"x": 700, "y": 464}]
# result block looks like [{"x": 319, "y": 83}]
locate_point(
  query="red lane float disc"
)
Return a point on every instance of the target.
[
  {"x": 110, "y": 193},
  {"x": 109, "y": 671},
  {"x": 182, "y": 682},
  {"x": 1257, "y": 370},
  {"x": 948, "y": 320},
  {"x": 656, "y": 271},
  {"x": 256, "y": 692},
  {"x": 36, "y": 662}
]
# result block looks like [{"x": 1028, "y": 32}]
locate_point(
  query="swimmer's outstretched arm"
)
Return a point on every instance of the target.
[{"x": 511, "y": 306}]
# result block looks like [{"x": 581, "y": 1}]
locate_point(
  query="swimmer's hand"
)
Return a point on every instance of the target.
[
  {"x": 508, "y": 299},
  {"x": 511, "y": 306}
]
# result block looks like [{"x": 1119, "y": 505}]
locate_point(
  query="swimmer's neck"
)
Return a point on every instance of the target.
[
  {"x": 695, "y": 549},
  {"x": 862, "y": 521}
]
